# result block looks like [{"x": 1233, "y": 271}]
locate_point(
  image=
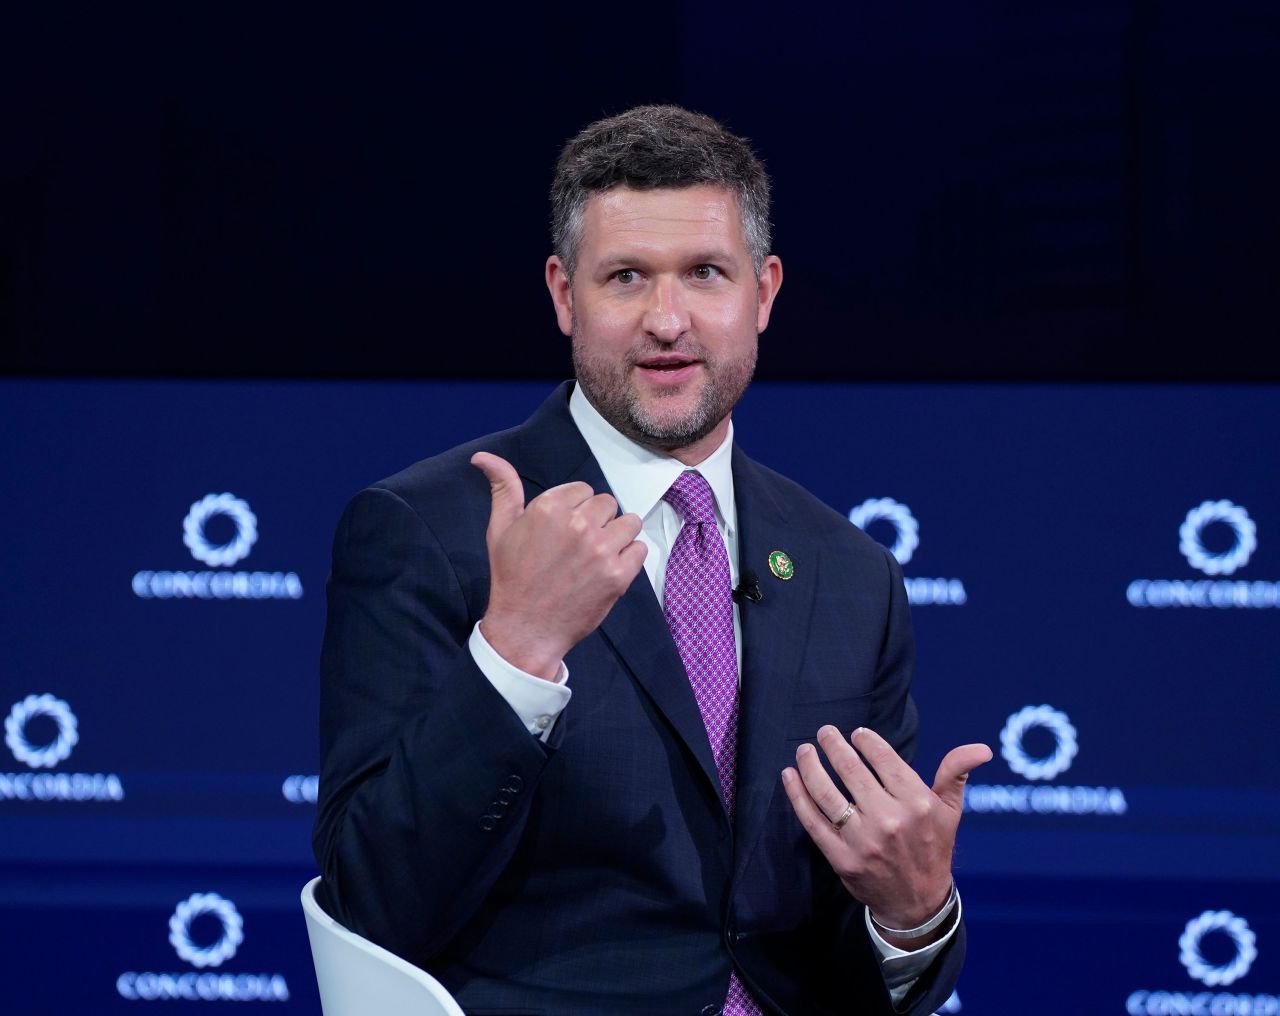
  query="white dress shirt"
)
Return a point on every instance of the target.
[{"x": 638, "y": 478}]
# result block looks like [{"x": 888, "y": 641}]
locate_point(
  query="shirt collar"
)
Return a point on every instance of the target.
[{"x": 639, "y": 477}]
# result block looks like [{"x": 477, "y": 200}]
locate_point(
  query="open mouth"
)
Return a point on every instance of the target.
[{"x": 666, "y": 364}]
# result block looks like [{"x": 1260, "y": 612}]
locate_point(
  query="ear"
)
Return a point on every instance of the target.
[
  {"x": 767, "y": 287},
  {"x": 561, "y": 289}
]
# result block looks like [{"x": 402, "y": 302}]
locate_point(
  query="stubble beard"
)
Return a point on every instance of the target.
[{"x": 606, "y": 384}]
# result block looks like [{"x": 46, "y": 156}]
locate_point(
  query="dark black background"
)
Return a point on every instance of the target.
[{"x": 982, "y": 190}]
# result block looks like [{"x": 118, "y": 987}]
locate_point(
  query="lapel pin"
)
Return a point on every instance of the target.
[{"x": 781, "y": 565}]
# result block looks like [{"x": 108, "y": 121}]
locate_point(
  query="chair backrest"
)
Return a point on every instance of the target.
[{"x": 357, "y": 977}]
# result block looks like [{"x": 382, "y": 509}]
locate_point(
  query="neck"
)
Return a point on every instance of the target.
[{"x": 692, "y": 454}]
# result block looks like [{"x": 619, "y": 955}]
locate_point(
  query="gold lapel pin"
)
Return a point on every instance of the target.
[{"x": 781, "y": 565}]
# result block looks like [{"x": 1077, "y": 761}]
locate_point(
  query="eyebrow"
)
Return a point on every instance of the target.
[
  {"x": 714, "y": 256},
  {"x": 618, "y": 261},
  {"x": 709, "y": 256}
]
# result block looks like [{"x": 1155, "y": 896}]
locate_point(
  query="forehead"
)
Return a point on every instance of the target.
[{"x": 661, "y": 219}]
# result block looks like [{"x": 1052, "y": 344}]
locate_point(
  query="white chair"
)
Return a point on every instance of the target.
[{"x": 357, "y": 978}]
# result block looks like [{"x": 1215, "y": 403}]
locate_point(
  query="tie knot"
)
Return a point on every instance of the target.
[{"x": 692, "y": 499}]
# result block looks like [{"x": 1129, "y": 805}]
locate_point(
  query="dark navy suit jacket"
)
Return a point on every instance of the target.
[{"x": 598, "y": 873}]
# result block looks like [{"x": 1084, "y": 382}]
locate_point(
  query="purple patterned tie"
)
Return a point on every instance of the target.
[{"x": 698, "y": 602}]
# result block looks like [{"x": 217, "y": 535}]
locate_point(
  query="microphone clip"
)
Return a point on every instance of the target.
[{"x": 748, "y": 588}]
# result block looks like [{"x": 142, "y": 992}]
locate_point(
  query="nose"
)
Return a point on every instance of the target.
[{"x": 666, "y": 317}]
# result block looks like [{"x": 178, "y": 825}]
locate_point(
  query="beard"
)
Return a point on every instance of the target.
[{"x": 660, "y": 424}]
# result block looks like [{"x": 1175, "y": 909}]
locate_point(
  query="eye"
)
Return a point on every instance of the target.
[
  {"x": 626, "y": 276},
  {"x": 704, "y": 273}
]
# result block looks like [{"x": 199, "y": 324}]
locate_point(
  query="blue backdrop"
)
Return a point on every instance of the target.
[{"x": 1095, "y": 581}]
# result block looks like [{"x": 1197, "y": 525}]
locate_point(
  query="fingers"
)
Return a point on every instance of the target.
[
  {"x": 619, "y": 537},
  {"x": 568, "y": 496},
  {"x": 897, "y": 860},
  {"x": 831, "y": 801},
  {"x": 852, "y": 771},
  {"x": 573, "y": 509},
  {"x": 824, "y": 835},
  {"x": 632, "y": 557},
  {"x": 505, "y": 490},
  {"x": 597, "y": 511},
  {"x": 624, "y": 529},
  {"x": 592, "y": 516},
  {"x": 594, "y": 510},
  {"x": 953, "y": 772},
  {"x": 898, "y": 778}
]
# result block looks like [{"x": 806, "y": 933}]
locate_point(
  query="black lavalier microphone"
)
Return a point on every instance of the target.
[{"x": 748, "y": 588}]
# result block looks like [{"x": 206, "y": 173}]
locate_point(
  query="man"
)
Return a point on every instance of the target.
[{"x": 670, "y": 841}]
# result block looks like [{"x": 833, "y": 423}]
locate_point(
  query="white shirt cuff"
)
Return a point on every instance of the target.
[
  {"x": 537, "y": 702},
  {"x": 900, "y": 967}
]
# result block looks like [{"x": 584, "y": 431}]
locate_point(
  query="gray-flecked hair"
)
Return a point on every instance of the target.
[{"x": 656, "y": 146}]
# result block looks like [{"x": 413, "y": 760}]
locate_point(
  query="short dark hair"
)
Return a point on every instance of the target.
[{"x": 656, "y": 146}]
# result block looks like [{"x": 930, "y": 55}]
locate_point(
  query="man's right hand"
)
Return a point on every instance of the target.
[{"x": 556, "y": 566}]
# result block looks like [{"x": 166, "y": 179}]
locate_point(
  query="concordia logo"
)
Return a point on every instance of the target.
[
  {"x": 1243, "y": 947},
  {"x": 208, "y": 986},
  {"x": 1044, "y": 799},
  {"x": 46, "y": 754},
  {"x": 218, "y": 585},
  {"x": 920, "y": 591},
  {"x": 301, "y": 789},
  {"x": 1214, "y": 592}
]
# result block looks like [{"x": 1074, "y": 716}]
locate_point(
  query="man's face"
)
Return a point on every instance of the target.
[{"x": 664, "y": 311}]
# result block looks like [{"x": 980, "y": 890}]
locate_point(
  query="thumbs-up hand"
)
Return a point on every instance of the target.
[
  {"x": 890, "y": 840},
  {"x": 556, "y": 566}
]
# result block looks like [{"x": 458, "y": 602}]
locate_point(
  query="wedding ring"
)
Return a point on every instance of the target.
[{"x": 844, "y": 816}]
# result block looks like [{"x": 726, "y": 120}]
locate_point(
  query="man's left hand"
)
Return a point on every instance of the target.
[{"x": 893, "y": 850}]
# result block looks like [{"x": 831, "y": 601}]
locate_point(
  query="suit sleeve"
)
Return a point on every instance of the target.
[
  {"x": 426, "y": 771},
  {"x": 894, "y": 716}
]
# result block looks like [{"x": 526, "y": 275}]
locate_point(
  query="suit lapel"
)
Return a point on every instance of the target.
[
  {"x": 553, "y": 452},
  {"x": 637, "y": 630},
  {"x": 774, "y": 632}
]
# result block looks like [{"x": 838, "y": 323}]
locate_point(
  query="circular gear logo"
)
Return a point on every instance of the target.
[
  {"x": 1064, "y": 736},
  {"x": 898, "y": 515},
  {"x": 1236, "y": 928},
  {"x": 1205, "y": 514},
  {"x": 215, "y": 555},
  {"x": 196, "y": 905},
  {"x": 41, "y": 756}
]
